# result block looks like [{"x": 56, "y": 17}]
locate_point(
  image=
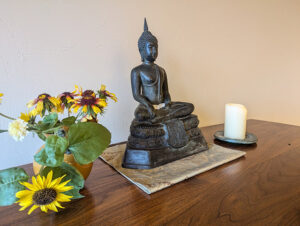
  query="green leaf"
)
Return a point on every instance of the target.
[
  {"x": 9, "y": 184},
  {"x": 53, "y": 153},
  {"x": 72, "y": 174},
  {"x": 3, "y": 131},
  {"x": 87, "y": 140},
  {"x": 69, "y": 121},
  {"x": 50, "y": 120},
  {"x": 41, "y": 136},
  {"x": 74, "y": 193}
]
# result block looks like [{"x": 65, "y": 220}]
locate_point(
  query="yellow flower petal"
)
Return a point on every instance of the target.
[
  {"x": 71, "y": 100},
  {"x": 44, "y": 209},
  {"x": 55, "y": 182},
  {"x": 29, "y": 186},
  {"x": 52, "y": 184},
  {"x": 102, "y": 103},
  {"x": 39, "y": 107},
  {"x": 32, "y": 209},
  {"x": 64, "y": 189},
  {"x": 76, "y": 108},
  {"x": 77, "y": 90},
  {"x": 25, "y": 116},
  {"x": 63, "y": 198},
  {"x": 24, "y": 207},
  {"x": 96, "y": 109},
  {"x": 40, "y": 181},
  {"x": 54, "y": 101},
  {"x": 62, "y": 184},
  {"x": 35, "y": 183},
  {"x": 103, "y": 87},
  {"x": 49, "y": 178},
  {"x": 34, "y": 112},
  {"x": 41, "y": 97},
  {"x": 52, "y": 207},
  {"x": 59, "y": 109},
  {"x": 30, "y": 103},
  {"x": 58, "y": 204},
  {"x": 84, "y": 109},
  {"x": 25, "y": 201},
  {"x": 113, "y": 97},
  {"x": 21, "y": 194}
]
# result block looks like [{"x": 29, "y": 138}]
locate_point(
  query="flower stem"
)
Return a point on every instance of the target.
[{"x": 5, "y": 116}]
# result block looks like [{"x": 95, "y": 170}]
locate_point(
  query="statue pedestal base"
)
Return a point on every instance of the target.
[
  {"x": 153, "y": 144},
  {"x": 148, "y": 159}
]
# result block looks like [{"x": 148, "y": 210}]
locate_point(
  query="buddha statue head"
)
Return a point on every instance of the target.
[{"x": 148, "y": 45}]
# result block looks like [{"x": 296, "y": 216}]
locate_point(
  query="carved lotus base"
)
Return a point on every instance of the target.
[{"x": 154, "y": 144}]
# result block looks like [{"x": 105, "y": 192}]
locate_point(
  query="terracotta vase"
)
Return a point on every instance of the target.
[{"x": 85, "y": 170}]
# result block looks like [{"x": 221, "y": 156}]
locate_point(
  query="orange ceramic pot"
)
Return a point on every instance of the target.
[{"x": 85, "y": 170}]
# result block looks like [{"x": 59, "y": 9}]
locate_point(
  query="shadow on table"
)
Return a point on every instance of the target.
[
  {"x": 240, "y": 147},
  {"x": 73, "y": 211}
]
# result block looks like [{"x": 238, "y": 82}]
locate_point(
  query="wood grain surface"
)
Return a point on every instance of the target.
[{"x": 262, "y": 188}]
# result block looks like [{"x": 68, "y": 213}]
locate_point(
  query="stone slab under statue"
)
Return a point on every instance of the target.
[
  {"x": 156, "y": 179},
  {"x": 162, "y": 131}
]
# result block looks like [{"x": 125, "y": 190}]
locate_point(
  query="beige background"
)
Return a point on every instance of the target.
[{"x": 214, "y": 52}]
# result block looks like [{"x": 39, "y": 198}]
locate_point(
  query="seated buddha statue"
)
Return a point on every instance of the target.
[{"x": 162, "y": 131}]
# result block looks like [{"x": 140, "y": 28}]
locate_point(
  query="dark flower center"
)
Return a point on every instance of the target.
[
  {"x": 87, "y": 100},
  {"x": 43, "y": 96},
  {"x": 67, "y": 94},
  {"x": 44, "y": 196},
  {"x": 88, "y": 93},
  {"x": 64, "y": 96}
]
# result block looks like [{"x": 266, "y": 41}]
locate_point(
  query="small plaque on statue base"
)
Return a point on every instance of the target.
[{"x": 153, "y": 180}]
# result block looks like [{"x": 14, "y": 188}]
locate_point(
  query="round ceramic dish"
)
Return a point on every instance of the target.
[{"x": 250, "y": 138}]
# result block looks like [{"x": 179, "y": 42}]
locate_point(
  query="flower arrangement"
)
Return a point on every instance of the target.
[{"x": 78, "y": 135}]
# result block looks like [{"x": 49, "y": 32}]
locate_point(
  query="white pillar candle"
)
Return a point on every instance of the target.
[{"x": 235, "y": 121}]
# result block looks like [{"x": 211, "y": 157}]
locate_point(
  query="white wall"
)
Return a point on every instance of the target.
[{"x": 213, "y": 51}]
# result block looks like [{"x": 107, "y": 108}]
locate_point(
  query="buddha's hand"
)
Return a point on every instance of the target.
[
  {"x": 151, "y": 112},
  {"x": 168, "y": 104}
]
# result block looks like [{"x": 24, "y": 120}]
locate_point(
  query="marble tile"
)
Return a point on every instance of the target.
[{"x": 153, "y": 180}]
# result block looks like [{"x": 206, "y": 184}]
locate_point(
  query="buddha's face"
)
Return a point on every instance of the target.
[{"x": 151, "y": 51}]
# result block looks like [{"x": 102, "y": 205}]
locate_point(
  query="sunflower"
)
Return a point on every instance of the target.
[
  {"x": 44, "y": 193},
  {"x": 89, "y": 103},
  {"x": 103, "y": 93},
  {"x": 1, "y": 95},
  {"x": 44, "y": 102}
]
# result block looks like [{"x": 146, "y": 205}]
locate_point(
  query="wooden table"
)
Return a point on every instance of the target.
[{"x": 261, "y": 189}]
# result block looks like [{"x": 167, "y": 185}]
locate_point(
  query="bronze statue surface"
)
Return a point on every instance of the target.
[{"x": 162, "y": 130}]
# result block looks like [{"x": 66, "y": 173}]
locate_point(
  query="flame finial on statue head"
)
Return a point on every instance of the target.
[
  {"x": 145, "y": 37},
  {"x": 145, "y": 25}
]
